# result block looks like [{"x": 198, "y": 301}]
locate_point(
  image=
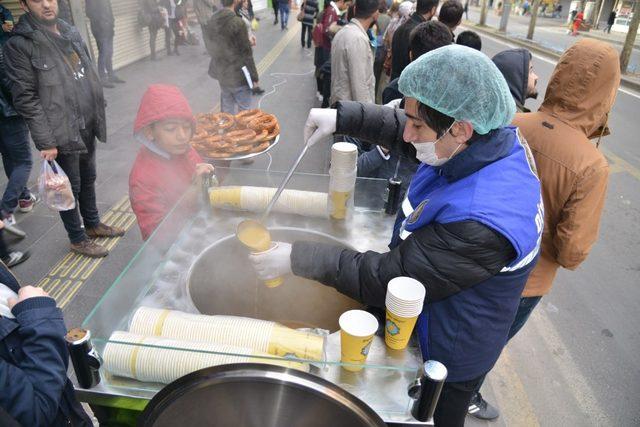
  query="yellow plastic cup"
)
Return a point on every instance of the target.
[
  {"x": 397, "y": 330},
  {"x": 339, "y": 201},
  {"x": 256, "y": 237},
  {"x": 357, "y": 328},
  {"x": 226, "y": 197}
]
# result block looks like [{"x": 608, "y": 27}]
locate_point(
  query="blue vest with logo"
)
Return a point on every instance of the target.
[{"x": 467, "y": 331}]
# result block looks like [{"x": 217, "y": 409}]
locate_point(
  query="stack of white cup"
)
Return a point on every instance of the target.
[
  {"x": 342, "y": 178},
  {"x": 404, "y": 303}
]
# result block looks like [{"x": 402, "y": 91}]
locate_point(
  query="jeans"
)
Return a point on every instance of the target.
[
  {"x": 16, "y": 157},
  {"x": 153, "y": 34},
  {"x": 234, "y": 99},
  {"x": 175, "y": 27},
  {"x": 284, "y": 15},
  {"x": 526, "y": 306},
  {"x": 306, "y": 29},
  {"x": 104, "y": 40},
  {"x": 81, "y": 170}
]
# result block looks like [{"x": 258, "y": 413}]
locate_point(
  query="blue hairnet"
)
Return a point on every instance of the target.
[{"x": 462, "y": 83}]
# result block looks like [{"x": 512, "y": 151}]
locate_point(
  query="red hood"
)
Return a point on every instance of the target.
[{"x": 161, "y": 102}]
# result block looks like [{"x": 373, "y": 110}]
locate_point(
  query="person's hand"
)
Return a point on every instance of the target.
[
  {"x": 7, "y": 27},
  {"x": 204, "y": 169},
  {"x": 252, "y": 40},
  {"x": 273, "y": 263},
  {"x": 256, "y": 83},
  {"x": 26, "y": 293},
  {"x": 49, "y": 154},
  {"x": 320, "y": 124}
]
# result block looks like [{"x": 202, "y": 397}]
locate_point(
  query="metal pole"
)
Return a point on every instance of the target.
[
  {"x": 630, "y": 40},
  {"x": 534, "y": 16},
  {"x": 483, "y": 13}
]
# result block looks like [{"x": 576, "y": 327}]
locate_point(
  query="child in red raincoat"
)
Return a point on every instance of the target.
[
  {"x": 577, "y": 21},
  {"x": 166, "y": 164}
]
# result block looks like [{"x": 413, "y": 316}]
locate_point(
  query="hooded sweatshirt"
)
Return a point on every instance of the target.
[
  {"x": 572, "y": 171},
  {"x": 158, "y": 180},
  {"x": 514, "y": 66}
]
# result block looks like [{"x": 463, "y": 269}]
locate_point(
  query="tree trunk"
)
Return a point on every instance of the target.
[{"x": 630, "y": 40}]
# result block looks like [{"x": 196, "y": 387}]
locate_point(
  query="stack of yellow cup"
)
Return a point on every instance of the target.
[
  {"x": 357, "y": 328},
  {"x": 404, "y": 302},
  {"x": 342, "y": 178}
]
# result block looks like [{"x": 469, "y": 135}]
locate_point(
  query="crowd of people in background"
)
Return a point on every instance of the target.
[{"x": 51, "y": 92}]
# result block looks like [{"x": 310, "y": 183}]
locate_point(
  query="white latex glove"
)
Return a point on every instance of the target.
[
  {"x": 273, "y": 263},
  {"x": 321, "y": 123}
]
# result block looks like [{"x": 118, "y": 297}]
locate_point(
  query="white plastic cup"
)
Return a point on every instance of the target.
[{"x": 405, "y": 296}]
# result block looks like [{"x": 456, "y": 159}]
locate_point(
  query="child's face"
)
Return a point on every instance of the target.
[{"x": 172, "y": 135}]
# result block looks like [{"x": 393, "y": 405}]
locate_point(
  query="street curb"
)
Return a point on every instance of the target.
[{"x": 534, "y": 47}]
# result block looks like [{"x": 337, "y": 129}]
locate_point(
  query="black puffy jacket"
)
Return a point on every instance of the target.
[
  {"x": 6, "y": 106},
  {"x": 44, "y": 90},
  {"x": 446, "y": 258}
]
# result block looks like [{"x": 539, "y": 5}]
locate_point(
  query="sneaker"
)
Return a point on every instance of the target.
[
  {"x": 16, "y": 257},
  {"x": 89, "y": 248},
  {"x": 10, "y": 226},
  {"x": 257, "y": 90},
  {"x": 116, "y": 79},
  {"x": 26, "y": 205},
  {"x": 104, "y": 230},
  {"x": 481, "y": 409}
]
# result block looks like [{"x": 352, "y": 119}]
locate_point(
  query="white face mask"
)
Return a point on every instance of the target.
[{"x": 426, "y": 151}]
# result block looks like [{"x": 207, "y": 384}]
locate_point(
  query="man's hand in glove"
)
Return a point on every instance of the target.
[
  {"x": 273, "y": 263},
  {"x": 321, "y": 124}
]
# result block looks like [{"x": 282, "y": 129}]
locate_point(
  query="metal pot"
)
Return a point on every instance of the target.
[
  {"x": 248, "y": 395},
  {"x": 221, "y": 281}
]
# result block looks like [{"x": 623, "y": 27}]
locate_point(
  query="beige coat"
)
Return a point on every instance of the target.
[
  {"x": 352, "y": 76},
  {"x": 573, "y": 172}
]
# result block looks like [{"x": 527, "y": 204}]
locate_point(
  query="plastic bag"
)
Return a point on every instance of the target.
[
  {"x": 55, "y": 188},
  {"x": 255, "y": 24}
]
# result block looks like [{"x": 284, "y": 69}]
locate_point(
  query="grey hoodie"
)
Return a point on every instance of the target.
[{"x": 514, "y": 66}]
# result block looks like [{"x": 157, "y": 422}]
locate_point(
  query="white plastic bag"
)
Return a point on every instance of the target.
[{"x": 54, "y": 187}]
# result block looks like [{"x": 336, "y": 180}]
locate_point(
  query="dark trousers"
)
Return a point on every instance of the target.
[
  {"x": 306, "y": 29},
  {"x": 16, "y": 158},
  {"x": 454, "y": 403},
  {"x": 4, "y": 249},
  {"x": 153, "y": 34},
  {"x": 104, "y": 40},
  {"x": 81, "y": 170},
  {"x": 526, "y": 306},
  {"x": 205, "y": 38},
  {"x": 274, "y": 4},
  {"x": 175, "y": 27}
]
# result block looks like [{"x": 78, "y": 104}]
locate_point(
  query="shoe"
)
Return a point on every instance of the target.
[
  {"x": 16, "y": 257},
  {"x": 10, "y": 226},
  {"x": 319, "y": 96},
  {"x": 275, "y": 22},
  {"x": 89, "y": 248},
  {"x": 107, "y": 84},
  {"x": 116, "y": 79},
  {"x": 104, "y": 230},
  {"x": 481, "y": 409},
  {"x": 26, "y": 205},
  {"x": 257, "y": 90}
]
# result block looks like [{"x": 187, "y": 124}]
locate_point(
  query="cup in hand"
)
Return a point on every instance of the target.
[
  {"x": 404, "y": 302},
  {"x": 357, "y": 328}
]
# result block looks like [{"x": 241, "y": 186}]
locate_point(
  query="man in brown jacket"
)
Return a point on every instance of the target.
[{"x": 572, "y": 170}]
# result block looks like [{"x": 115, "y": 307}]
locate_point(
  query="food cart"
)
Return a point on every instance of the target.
[{"x": 194, "y": 264}]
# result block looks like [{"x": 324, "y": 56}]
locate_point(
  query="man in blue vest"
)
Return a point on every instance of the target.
[{"x": 469, "y": 229}]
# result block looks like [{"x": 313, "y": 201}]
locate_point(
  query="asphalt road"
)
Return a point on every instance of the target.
[{"x": 576, "y": 361}]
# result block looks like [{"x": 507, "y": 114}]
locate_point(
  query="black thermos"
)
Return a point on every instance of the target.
[
  {"x": 394, "y": 189},
  {"x": 86, "y": 362}
]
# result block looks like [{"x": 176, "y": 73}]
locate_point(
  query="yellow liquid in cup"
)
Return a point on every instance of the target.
[
  {"x": 256, "y": 237},
  {"x": 397, "y": 330}
]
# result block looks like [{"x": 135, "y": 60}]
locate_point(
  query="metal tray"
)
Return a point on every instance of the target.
[{"x": 244, "y": 156}]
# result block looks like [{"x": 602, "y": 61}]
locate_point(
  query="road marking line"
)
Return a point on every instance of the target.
[
  {"x": 513, "y": 400},
  {"x": 71, "y": 294}
]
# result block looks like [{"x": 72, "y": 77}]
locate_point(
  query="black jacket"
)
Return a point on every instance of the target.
[
  {"x": 44, "y": 90},
  {"x": 100, "y": 14},
  {"x": 230, "y": 49},
  {"x": 400, "y": 45},
  {"x": 446, "y": 258},
  {"x": 6, "y": 105},
  {"x": 33, "y": 364},
  {"x": 514, "y": 66}
]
